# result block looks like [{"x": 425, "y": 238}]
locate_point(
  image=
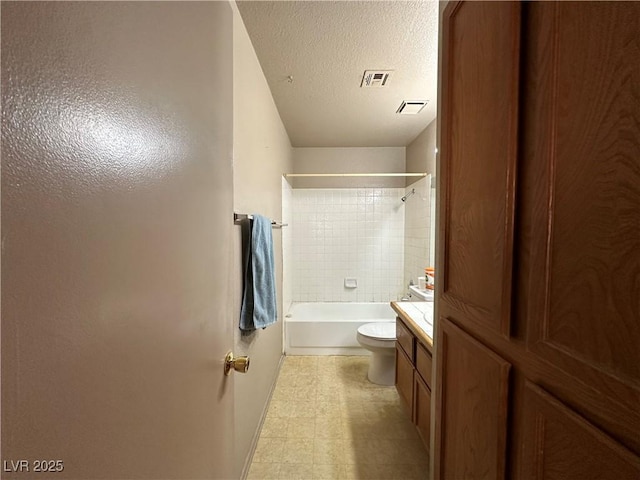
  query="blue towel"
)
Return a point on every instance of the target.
[{"x": 259, "y": 298}]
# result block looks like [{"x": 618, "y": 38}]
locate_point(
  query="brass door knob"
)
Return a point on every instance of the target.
[{"x": 239, "y": 364}]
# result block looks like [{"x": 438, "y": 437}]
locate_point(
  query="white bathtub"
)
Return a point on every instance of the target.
[{"x": 330, "y": 328}]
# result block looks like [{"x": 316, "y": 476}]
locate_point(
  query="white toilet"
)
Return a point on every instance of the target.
[{"x": 380, "y": 339}]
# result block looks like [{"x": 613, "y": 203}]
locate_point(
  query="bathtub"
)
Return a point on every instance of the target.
[{"x": 330, "y": 328}]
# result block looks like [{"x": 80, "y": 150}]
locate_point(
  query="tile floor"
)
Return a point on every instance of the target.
[{"x": 326, "y": 421}]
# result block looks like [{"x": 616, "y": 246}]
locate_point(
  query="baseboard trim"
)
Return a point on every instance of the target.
[
  {"x": 338, "y": 351},
  {"x": 256, "y": 436}
]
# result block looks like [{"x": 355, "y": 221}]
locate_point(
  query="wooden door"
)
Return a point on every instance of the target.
[
  {"x": 538, "y": 334},
  {"x": 116, "y": 238}
]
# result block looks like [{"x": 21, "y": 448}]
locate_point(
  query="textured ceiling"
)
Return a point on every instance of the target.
[{"x": 326, "y": 46}]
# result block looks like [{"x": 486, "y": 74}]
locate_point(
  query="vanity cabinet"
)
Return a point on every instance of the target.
[{"x": 413, "y": 378}]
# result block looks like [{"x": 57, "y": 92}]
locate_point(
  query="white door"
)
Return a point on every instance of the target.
[{"x": 116, "y": 231}]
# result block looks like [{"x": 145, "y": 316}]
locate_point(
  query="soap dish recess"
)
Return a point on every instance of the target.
[{"x": 350, "y": 282}]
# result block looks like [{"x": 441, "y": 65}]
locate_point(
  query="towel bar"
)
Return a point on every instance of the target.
[{"x": 238, "y": 217}]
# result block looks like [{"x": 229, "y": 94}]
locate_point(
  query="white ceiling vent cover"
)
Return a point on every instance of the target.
[
  {"x": 411, "y": 107},
  {"x": 375, "y": 78}
]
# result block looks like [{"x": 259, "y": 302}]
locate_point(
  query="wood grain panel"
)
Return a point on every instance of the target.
[
  {"x": 422, "y": 409},
  {"x": 559, "y": 444},
  {"x": 574, "y": 239},
  {"x": 478, "y": 158},
  {"x": 404, "y": 379},
  {"x": 423, "y": 363},
  {"x": 405, "y": 339},
  {"x": 472, "y": 398},
  {"x": 596, "y": 162},
  {"x": 583, "y": 309}
]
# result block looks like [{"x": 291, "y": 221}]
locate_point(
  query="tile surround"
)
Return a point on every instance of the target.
[
  {"x": 346, "y": 428},
  {"x": 339, "y": 233},
  {"x": 417, "y": 235}
]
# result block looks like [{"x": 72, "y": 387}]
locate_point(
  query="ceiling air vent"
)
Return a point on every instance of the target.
[
  {"x": 411, "y": 107},
  {"x": 375, "y": 78}
]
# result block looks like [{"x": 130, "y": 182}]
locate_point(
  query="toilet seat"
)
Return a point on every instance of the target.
[{"x": 378, "y": 331}]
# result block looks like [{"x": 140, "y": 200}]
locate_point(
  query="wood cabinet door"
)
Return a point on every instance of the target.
[
  {"x": 472, "y": 398},
  {"x": 559, "y": 444},
  {"x": 405, "y": 339},
  {"x": 422, "y": 409},
  {"x": 404, "y": 379},
  {"x": 477, "y": 163},
  {"x": 423, "y": 363}
]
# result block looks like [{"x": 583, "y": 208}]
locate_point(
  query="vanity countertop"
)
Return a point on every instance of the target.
[{"x": 418, "y": 316}]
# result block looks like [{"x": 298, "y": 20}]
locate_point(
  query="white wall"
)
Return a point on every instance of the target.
[
  {"x": 262, "y": 152},
  {"x": 421, "y": 153},
  {"x": 338, "y": 233}
]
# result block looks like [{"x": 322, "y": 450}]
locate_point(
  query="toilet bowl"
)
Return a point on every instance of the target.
[{"x": 380, "y": 339}]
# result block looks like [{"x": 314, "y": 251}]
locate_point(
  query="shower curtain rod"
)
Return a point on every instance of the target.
[{"x": 421, "y": 174}]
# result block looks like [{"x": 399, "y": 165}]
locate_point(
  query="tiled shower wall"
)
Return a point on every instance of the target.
[
  {"x": 417, "y": 228},
  {"x": 347, "y": 232}
]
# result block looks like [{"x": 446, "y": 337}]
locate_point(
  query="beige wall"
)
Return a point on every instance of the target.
[
  {"x": 421, "y": 156},
  {"x": 262, "y": 153},
  {"x": 349, "y": 160}
]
